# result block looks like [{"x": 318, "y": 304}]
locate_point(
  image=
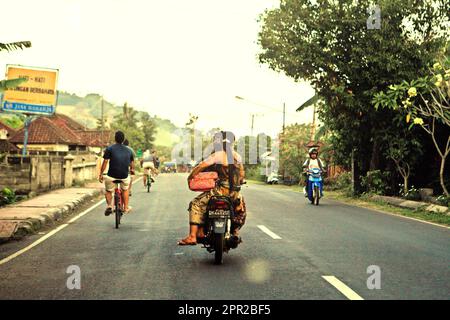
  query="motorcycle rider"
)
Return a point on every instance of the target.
[
  {"x": 313, "y": 162},
  {"x": 223, "y": 161}
]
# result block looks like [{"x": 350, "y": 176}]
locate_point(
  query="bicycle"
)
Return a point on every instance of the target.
[
  {"x": 149, "y": 181},
  {"x": 118, "y": 202}
]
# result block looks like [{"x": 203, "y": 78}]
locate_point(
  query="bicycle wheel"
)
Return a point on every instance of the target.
[
  {"x": 117, "y": 210},
  {"x": 149, "y": 184}
]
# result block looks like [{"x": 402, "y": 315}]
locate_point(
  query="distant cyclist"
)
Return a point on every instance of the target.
[
  {"x": 148, "y": 164},
  {"x": 121, "y": 163}
]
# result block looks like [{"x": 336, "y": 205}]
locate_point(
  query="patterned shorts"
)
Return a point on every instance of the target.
[{"x": 197, "y": 207}]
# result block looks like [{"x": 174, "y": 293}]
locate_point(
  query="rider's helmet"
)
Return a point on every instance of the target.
[{"x": 313, "y": 150}]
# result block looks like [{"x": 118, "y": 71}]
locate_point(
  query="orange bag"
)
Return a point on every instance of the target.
[{"x": 204, "y": 181}]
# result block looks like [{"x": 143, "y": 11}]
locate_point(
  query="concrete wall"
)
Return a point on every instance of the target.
[{"x": 41, "y": 173}]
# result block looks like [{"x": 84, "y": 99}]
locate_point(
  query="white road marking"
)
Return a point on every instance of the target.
[
  {"x": 270, "y": 233},
  {"x": 343, "y": 288},
  {"x": 392, "y": 214},
  {"x": 48, "y": 235}
]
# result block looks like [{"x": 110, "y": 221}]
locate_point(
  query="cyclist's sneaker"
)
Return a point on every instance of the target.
[
  {"x": 108, "y": 211},
  {"x": 153, "y": 180}
]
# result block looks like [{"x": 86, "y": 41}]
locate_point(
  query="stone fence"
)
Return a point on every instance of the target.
[{"x": 39, "y": 173}]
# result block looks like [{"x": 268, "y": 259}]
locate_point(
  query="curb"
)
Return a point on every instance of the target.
[
  {"x": 412, "y": 205},
  {"x": 47, "y": 218}
]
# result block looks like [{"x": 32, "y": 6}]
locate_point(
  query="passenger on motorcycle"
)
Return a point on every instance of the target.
[
  {"x": 222, "y": 161},
  {"x": 314, "y": 162}
]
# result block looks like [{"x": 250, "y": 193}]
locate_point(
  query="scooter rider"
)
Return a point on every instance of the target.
[{"x": 313, "y": 162}]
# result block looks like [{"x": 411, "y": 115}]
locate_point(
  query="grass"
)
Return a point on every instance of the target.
[{"x": 366, "y": 202}]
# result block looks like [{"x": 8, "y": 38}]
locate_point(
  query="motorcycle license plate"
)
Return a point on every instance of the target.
[{"x": 219, "y": 213}]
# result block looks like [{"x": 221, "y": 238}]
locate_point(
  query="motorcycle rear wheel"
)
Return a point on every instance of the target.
[{"x": 218, "y": 248}]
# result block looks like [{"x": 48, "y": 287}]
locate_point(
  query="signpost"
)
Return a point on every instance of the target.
[{"x": 36, "y": 96}]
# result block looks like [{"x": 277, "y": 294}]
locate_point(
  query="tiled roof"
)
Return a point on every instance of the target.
[
  {"x": 6, "y": 146},
  {"x": 95, "y": 138},
  {"x": 44, "y": 130},
  {"x": 62, "y": 129},
  {"x": 62, "y": 119}
]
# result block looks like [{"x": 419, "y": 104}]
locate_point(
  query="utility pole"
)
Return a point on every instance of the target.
[
  {"x": 253, "y": 121},
  {"x": 102, "y": 123},
  {"x": 313, "y": 125},
  {"x": 284, "y": 116}
]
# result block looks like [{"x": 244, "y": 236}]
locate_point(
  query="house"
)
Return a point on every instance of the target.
[
  {"x": 5, "y": 133},
  {"x": 61, "y": 133}
]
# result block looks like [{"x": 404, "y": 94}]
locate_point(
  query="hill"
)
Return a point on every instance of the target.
[{"x": 87, "y": 110}]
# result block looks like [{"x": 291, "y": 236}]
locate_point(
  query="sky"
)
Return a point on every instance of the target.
[{"x": 169, "y": 58}]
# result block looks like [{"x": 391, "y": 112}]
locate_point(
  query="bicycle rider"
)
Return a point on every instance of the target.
[{"x": 120, "y": 159}]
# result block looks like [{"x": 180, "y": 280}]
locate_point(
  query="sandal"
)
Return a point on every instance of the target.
[
  {"x": 186, "y": 242},
  {"x": 108, "y": 211}
]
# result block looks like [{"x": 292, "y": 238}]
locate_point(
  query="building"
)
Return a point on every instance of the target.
[
  {"x": 60, "y": 133},
  {"x": 5, "y": 133}
]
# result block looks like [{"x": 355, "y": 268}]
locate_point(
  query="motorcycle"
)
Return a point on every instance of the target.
[
  {"x": 315, "y": 185},
  {"x": 273, "y": 178},
  {"x": 217, "y": 228}
]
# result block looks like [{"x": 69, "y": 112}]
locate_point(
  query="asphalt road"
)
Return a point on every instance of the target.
[{"x": 289, "y": 246}]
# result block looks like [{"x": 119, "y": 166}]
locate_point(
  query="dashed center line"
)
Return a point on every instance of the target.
[
  {"x": 270, "y": 233},
  {"x": 343, "y": 288}
]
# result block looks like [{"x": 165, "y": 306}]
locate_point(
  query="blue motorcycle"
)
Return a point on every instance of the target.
[{"x": 315, "y": 185}]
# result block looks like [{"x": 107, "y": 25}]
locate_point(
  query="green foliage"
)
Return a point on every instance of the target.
[
  {"x": 443, "y": 200},
  {"x": 253, "y": 172},
  {"x": 342, "y": 182},
  {"x": 376, "y": 182},
  {"x": 15, "y": 45},
  {"x": 7, "y": 196},
  {"x": 12, "y": 121},
  {"x": 328, "y": 44},
  {"x": 141, "y": 135},
  {"x": 293, "y": 152},
  {"x": 412, "y": 193},
  {"x": 87, "y": 111},
  {"x": 10, "y": 84}
]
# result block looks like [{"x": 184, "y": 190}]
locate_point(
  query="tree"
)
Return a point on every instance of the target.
[
  {"x": 127, "y": 123},
  {"x": 424, "y": 102},
  {"x": 328, "y": 44},
  {"x": 292, "y": 149},
  {"x": 149, "y": 129},
  {"x": 12, "y": 83}
]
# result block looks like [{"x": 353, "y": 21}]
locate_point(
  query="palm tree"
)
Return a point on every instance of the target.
[{"x": 8, "y": 84}]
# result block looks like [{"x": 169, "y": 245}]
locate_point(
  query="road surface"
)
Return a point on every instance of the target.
[{"x": 291, "y": 250}]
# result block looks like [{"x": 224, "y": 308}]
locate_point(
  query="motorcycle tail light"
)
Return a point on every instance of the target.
[{"x": 220, "y": 205}]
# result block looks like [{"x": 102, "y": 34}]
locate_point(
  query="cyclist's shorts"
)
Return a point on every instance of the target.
[
  {"x": 148, "y": 165},
  {"x": 110, "y": 186}
]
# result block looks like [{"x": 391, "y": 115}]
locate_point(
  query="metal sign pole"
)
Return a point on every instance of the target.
[{"x": 25, "y": 137}]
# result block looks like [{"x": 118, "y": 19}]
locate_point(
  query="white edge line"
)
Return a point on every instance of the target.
[
  {"x": 48, "y": 235},
  {"x": 51, "y": 233},
  {"x": 270, "y": 233},
  {"x": 342, "y": 288},
  {"x": 392, "y": 214}
]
